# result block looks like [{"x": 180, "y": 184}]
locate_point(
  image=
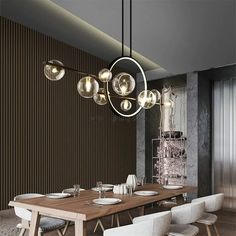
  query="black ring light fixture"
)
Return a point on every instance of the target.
[{"x": 123, "y": 84}]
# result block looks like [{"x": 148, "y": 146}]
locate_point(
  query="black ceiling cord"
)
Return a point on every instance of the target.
[
  {"x": 131, "y": 26},
  {"x": 123, "y": 6}
]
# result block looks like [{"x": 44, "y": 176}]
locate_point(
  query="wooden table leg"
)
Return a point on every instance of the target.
[
  {"x": 80, "y": 228},
  {"x": 34, "y": 223}
]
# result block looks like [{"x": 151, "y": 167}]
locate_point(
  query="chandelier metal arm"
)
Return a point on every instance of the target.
[
  {"x": 131, "y": 98},
  {"x": 70, "y": 69}
]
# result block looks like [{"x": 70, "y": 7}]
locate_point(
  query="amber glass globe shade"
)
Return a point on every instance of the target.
[
  {"x": 104, "y": 75},
  {"x": 146, "y": 99},
  {"x": 54, "y": 72},
  {"x": 157, "y": 94},
  {"x": 125, "y": 105},
  {"x": 87, "y": 87},
  {"x": 123, "y": 84},
  {"x": 100, "y": 98}
]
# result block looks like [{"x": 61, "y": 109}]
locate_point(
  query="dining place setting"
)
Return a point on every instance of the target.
[{"x": 130, "y": 188}]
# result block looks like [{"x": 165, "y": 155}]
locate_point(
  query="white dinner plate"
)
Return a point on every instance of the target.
[
  {"x": 108, "y": 185},
  {"x": 172, "y": 186},
  {"x": 58, "y": 195},
  {"x": 103, "y": 188},
  {"x": 146, "y": 193},
  {"x": 107, "y": 201},
  {"x": 71, "y": 190}
]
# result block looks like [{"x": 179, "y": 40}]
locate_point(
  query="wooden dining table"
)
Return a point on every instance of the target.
[{"x": 81, "y": 209}]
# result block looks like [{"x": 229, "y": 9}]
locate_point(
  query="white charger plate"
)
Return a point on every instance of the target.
[
  {"x": 146, "y": 193},
  {"x": 172, "y": 187},
  {"x": 103, "y": 188},
  {"x": 107, "y": 201},
  {"x": 58, "y": 195}
]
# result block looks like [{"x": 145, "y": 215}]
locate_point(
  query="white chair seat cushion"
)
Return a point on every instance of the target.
[
  {"x": 48, "y": 224},
  {"x": 183, "y": 230},
  {"x": 207, "y": 219}
]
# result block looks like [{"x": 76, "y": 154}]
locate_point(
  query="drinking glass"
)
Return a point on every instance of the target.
[
  {"x": 130, "y": 189},
  {"x": 143, "y": 180},
  {"x": 76, "y": 190},
  {"x": 100, "y": 189}
]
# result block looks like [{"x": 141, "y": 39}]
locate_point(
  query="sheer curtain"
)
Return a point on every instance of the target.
[{"x": 224, "y": 140}]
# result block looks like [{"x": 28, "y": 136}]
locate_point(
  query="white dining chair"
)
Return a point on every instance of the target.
[
  {"x": 182, "y": 218},
  {"x": 161, "y": 222},
  {"x": 46, "y": 224},
  {"x": 147, "y": 227},
  {"x": 212, "y": 203}
]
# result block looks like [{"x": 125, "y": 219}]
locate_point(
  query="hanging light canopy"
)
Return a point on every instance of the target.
[{"x": 123, "y": 84}]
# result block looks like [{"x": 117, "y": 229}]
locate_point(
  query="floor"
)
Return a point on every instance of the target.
[{"x": 226, "y": 224}]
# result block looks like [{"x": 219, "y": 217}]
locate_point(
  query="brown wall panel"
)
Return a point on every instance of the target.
[{"x": 50, "y": 136}]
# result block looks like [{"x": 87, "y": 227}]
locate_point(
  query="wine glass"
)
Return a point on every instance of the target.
[{"x": 99, "y": 188}]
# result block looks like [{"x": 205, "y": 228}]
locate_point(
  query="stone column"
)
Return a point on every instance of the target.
[
  {"x": 192, "y": 129},
  {"x": 140, "y": 141}
]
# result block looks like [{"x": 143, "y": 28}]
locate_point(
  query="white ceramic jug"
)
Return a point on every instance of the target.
[{"x": 132, "y": 180}]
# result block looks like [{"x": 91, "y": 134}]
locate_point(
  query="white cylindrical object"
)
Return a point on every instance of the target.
[{"x": 132, "y": 180}]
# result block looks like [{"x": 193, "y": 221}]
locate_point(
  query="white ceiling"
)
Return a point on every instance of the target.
[{"x": 179, "y": 35}]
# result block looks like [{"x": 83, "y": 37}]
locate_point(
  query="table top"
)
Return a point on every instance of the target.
[{"x": 82, "y": 207}]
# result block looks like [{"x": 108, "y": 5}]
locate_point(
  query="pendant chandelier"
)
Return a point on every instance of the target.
[{"x": 112, "y": 88}]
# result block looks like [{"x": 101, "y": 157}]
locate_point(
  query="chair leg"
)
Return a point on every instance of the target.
[
  {"x": 208, "y": 230},
  {"x": 95, "y": 228},
  {"x": 130, "y": 217},
  {"x": 101, "y": 225},
  {"x": 22, "y": 232},
  {"x": 112, "y": 220},
  {"x": 117, "y": 220},
  {"x": 66, "y": 227},
  {"x": 40, "y": 234},
  {"x": 99, "y": 222},
  {"x": 216, "y": 230},
  {"x": 59, "y": 232}
]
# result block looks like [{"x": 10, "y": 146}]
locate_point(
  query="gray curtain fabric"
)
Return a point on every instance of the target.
[{"x": 224, "y": 140}]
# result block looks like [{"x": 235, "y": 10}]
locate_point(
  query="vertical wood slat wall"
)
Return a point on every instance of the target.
[{"x": 52, "y": 138}]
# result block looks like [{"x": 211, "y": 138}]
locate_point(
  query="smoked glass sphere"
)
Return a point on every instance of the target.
[
  {"x": 100, "y": 98},
  {"x": 157, "y": 94},
  {"x": 123, "y": 84},
  {"x": 125, "y": 105},
  {"x": 54, "y": 72},
  {"x": 146, "y": 99},
  {"x": 87, "y": 87},
  {"x": 105, "y": 75}
]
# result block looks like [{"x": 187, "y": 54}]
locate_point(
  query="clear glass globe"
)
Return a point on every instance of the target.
[
  {"x": 157, "y": 93},
  {"x": 105, "y": 75},
  {"x": 100, "y": 98},
  {"x": 123, "y": 84},
  {"x": 53, "y": 72},
  {"x": 147, "y": 99},
  {"x": 125, "y": 105},
  {"x": 87, "y": 87}
]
